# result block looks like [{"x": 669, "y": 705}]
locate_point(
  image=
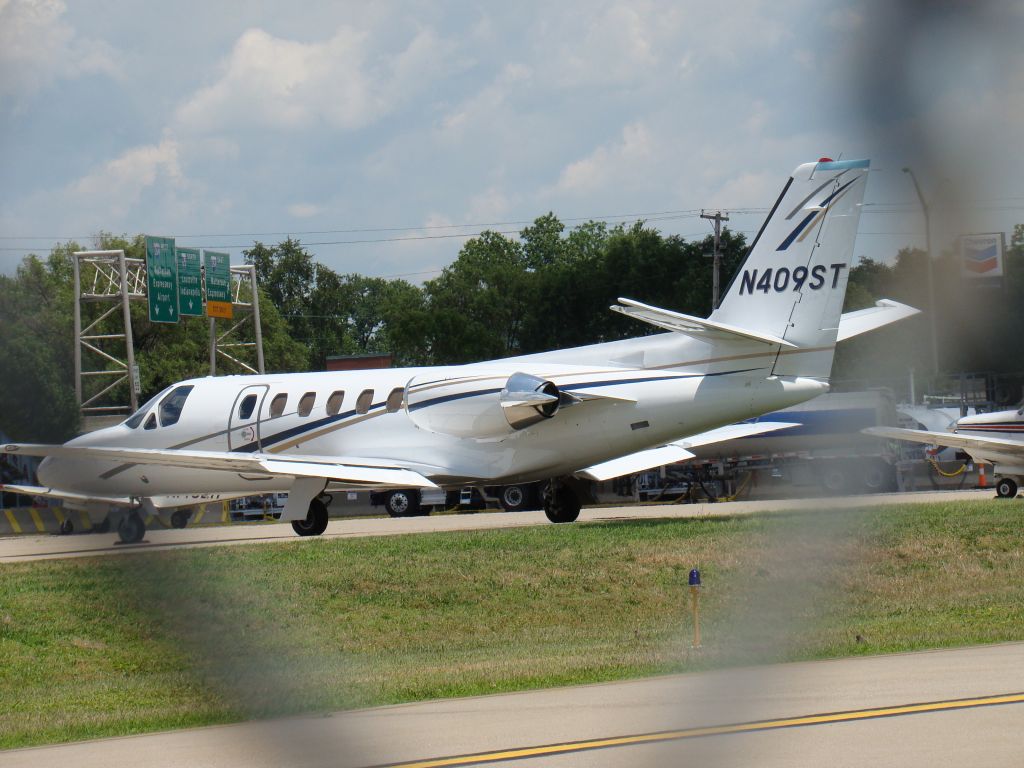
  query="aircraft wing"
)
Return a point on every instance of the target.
[
  {"x": 54, "y": 493},
  {"x": 636, "y": 462},
  {"x": 950, "y": 439},
  {"x": 692, "y": 326},
  {"x": 734, "y": 432},
  {"x": 344, "y": 469},
  {"x": 676, "y": 451},
  {"x": 863, "y": 320}
]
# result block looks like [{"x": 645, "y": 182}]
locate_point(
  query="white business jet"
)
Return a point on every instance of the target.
[
  {"x": 993, "y": 438},
  {"x": 589, "y": 413}
]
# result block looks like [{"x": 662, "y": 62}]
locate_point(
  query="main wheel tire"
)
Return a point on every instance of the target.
[
  {"x": 315, "y": 522},
  {"x": 402, "y": 503},
  {"x": 67, "y": 527},
  {"x": 179, "y": 518},
  {"x": 515, "y": 498},
  {"x": 1006, "y": 488},
  {"x": 132, "y": 528},
  {"x": 562, "y": 505}
]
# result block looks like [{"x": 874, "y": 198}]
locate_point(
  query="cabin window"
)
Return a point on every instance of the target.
[
  {"x": 246, "y": 408},
  {"x": 151, "y": 422},
  {"x": 306, "y": 403},
  {"x": 170, "y": 406},
  {"x": 277, "y": 405},
  {"x": 395, "y": 399},
  {"x": 334, "y": 402},
  {"x": 364, "y": 401}
]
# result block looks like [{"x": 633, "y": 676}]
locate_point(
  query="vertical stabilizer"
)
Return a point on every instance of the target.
[{"x": 793, "y": 281}]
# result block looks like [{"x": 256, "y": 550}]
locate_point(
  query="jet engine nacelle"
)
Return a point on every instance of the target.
[{"x": 483, "y": 409}]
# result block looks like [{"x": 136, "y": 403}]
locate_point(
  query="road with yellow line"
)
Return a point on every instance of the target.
[{"x": 953, "y": 707}]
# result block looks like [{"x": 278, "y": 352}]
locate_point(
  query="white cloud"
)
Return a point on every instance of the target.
[
  {"x": 280, "y": 83},
  {"x": 488, "y": 206},
  {"x": 38, "y": 47},
  {"x": 609, "y": 163},
  {"x": 304, "y": 210},
  {"x": 119, "y": 183}
]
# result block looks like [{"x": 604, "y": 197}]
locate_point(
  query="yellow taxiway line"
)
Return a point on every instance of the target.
[{"x": 482, "y": 758}]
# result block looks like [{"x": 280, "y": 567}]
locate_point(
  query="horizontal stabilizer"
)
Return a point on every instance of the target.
[
  {"x": 949, "y": 439},
  {"x": 693, "y": 326},
  {"x": 341, "y": 469},
  {"x": 863, "y": 320}
]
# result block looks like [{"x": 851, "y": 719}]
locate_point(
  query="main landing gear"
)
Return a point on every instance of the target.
[
  {"x": 562, "y": 503},
  {"x": 315, "y": 522}
]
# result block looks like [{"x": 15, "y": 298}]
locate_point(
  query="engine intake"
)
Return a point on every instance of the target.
[
  {"x": 474, "y": 407},
  {"x": 527, "y": 400}
]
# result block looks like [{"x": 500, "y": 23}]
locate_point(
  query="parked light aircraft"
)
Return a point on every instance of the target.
[
  {"x": 592, "y": 412},
  {"x": 993, "y": 438}
]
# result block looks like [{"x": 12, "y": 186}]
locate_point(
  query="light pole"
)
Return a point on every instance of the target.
[{"x": 931, "y": 276}]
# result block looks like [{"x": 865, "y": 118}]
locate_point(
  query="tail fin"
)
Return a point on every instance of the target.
[{"x": 793, "y": 281}]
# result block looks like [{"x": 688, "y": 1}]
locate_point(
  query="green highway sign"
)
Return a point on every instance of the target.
[
  {"x": 190, "y": 282},
  {"x": 218, "y": 284},
  {"x": 161, "y": 279}
]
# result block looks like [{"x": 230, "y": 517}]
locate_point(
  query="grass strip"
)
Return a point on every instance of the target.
[{"x": 119, "y": 645}]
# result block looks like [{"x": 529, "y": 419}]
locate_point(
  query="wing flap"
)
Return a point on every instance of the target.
[
  {"x": 692, "y": 326},
  {"x": 55, "y": 493}
]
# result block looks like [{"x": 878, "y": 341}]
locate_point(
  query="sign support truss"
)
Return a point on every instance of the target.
[{"x": 104, "y": 346}]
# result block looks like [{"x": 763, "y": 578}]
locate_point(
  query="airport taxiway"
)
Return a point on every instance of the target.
[
  {"x": 951, "y": 707},
  {"x": 33, "y": 547}
]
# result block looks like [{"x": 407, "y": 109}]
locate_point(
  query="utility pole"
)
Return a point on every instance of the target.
[
  {"x": 931, "y": 276},
  {"x": 718, "y": 218}
]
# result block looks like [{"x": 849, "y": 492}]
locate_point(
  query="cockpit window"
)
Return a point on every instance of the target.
[
  {"x": 151, "y": 422},
  {"x": 170, "y": 406},
  {"x": 136, "y": 418}
]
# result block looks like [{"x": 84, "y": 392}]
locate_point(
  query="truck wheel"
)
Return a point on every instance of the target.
[
  {"x": 515, "y": 498},
  {"x": 1006, "y": 488},
  {"x": 402, "y": 503},
  {"x": 877, "y": 476},
  {"x": 833, "y": 479}
]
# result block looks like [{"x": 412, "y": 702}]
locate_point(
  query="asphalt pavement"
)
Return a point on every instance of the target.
[{"x": 952, "y": 707}]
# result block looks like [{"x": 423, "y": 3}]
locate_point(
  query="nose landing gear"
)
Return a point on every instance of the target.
[{"x": 132, "y": 527}]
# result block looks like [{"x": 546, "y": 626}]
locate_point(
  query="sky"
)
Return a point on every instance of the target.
[{"x": 382, "y": 134}]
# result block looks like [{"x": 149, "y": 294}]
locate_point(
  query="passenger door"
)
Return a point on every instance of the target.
[{"x": 244, "y": 422}]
